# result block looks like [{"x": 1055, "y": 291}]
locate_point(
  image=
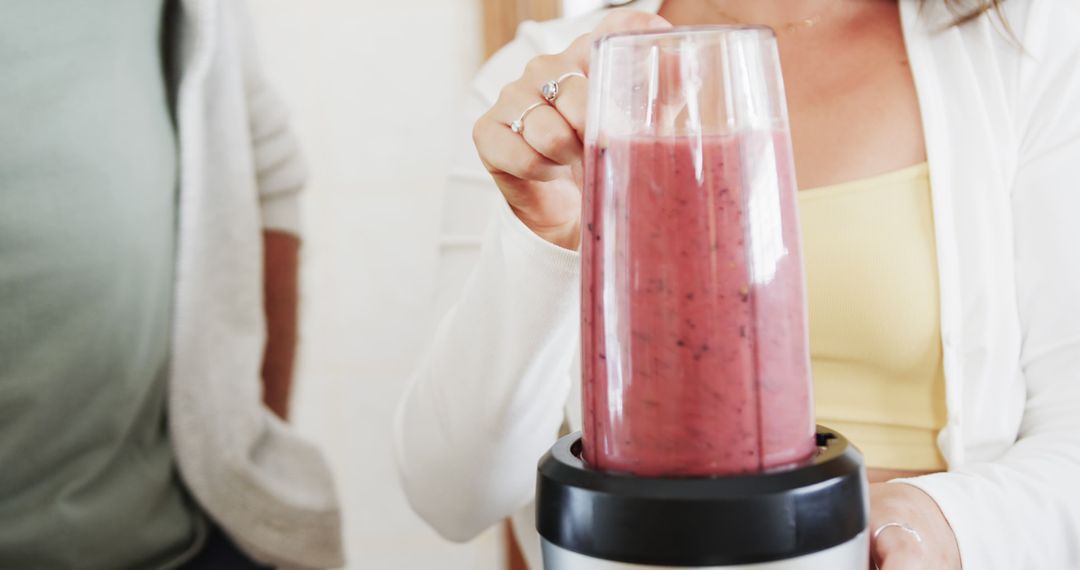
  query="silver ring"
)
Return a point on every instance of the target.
[
  {"x": 518, "y": 125},
  {"x": 550, "y": 89},
  {"x": 901, "y": 526}
]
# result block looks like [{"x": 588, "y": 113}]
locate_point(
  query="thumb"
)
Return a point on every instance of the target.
[
  {"x": 618, "y": 20},
  {"x": 627, "y": 20}
]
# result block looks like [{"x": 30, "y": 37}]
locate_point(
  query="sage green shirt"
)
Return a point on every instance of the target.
[{"x": 88, "y": 166}]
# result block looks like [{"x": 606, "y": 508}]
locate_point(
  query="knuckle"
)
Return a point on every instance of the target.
[
  {"x": 533, "y": 167},
  {"x": 483, "y": 142},
  {"x": 578, "y": 49},
  {"x": 537, "y": 65},
  {"x": 626, "y": 19},
  {"x": 478, "y": 131},
  {"x": 636, "y": 20},
  {"x": 614, "y": 21},
  {"x": 579, "y": 42},
  {"x": 481, "y": 132},
  {"x": 575, "y": 117},
  {"x": 506, "y": 94},
  {"x": 557, "y": 140}
]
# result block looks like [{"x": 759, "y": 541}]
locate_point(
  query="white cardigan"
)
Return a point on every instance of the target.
[
  {"x": 1003, "y": 141},
  {"x": 240, "y": 172}
]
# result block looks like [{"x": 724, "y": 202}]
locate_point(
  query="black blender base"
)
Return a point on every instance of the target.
[{"x": 769, "y": 521}]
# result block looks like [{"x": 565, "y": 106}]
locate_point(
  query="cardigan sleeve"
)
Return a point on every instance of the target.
[
  {"x": 1022, "y": 510},
  {"x": 280, "y": 170},
  {"x": 488, "y": 397}
]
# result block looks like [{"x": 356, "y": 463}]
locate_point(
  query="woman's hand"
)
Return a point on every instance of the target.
[
  {"x": 897, "y": 548},
  {"x": 539, "y": 170}
]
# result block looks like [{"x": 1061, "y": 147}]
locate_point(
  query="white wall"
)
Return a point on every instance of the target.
[{"x": 373, "y": 86}]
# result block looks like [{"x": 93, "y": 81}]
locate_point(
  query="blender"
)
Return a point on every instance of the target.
[{"x": 698, "y": 447}]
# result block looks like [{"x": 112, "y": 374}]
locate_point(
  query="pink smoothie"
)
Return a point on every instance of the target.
[{"x": 694, "y": 347}]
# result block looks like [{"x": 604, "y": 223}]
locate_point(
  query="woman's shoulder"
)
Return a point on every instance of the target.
[
  {"x": 1048, "y": 78},
  {"x": 1027, "y": 52},
  {"x": 1035, "y": 29},
  {"x": 1049, "y": 26},
  {"x": 538, "y": 38},
  {"x": 1035, "y": 25}
]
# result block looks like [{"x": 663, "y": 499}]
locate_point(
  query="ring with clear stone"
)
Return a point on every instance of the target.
[
  {"x": 550, "y": 89},
  {"x": 518, "y": 125}
]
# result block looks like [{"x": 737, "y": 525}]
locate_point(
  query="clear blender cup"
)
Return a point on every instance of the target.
[{"x": 694, "y": 338}]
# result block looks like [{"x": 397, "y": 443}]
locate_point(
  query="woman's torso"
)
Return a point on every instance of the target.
[
  {"x": 875, "y": 335},
  {"x": 852, "y": 103},
  {"x": 88, "y": 189}
]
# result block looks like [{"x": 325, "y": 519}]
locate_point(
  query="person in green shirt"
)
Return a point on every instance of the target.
[{"x": 88, "y": 252}]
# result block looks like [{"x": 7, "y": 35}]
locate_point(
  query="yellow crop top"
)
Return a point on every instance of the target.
[{"x": 875, "y": 340}]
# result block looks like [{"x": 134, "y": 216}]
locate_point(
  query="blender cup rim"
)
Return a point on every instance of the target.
[{"x": 635, "y": 35}]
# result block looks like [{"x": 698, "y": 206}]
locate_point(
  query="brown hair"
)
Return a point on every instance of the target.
[{"x": 968, "y": 10}]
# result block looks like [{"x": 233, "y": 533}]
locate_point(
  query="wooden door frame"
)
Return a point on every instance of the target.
[{"x": 502, "y": 17}]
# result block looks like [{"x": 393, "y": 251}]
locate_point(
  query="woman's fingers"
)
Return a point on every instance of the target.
[
  {"x": 572, "y": 102},
  {"x": 620, "y": 20},
  {"x": 572, "y": 96},
  {"x": 537, "y": 163},
  {"x": 545, "y": 141},
  {"x": 898, "y": 547},
  {"x": 911, "y": 531},
  {"x": 501, "y": 150},
  {"x": 573, "y": 89},
  {"x": 899, "y": 560},
  {"x": 548, "y": 133}
]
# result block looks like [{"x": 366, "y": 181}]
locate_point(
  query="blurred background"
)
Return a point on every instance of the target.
[{"x": 374, "y": 87}]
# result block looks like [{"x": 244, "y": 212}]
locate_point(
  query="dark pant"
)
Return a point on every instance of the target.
[{"x": 219, "y": 553}]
